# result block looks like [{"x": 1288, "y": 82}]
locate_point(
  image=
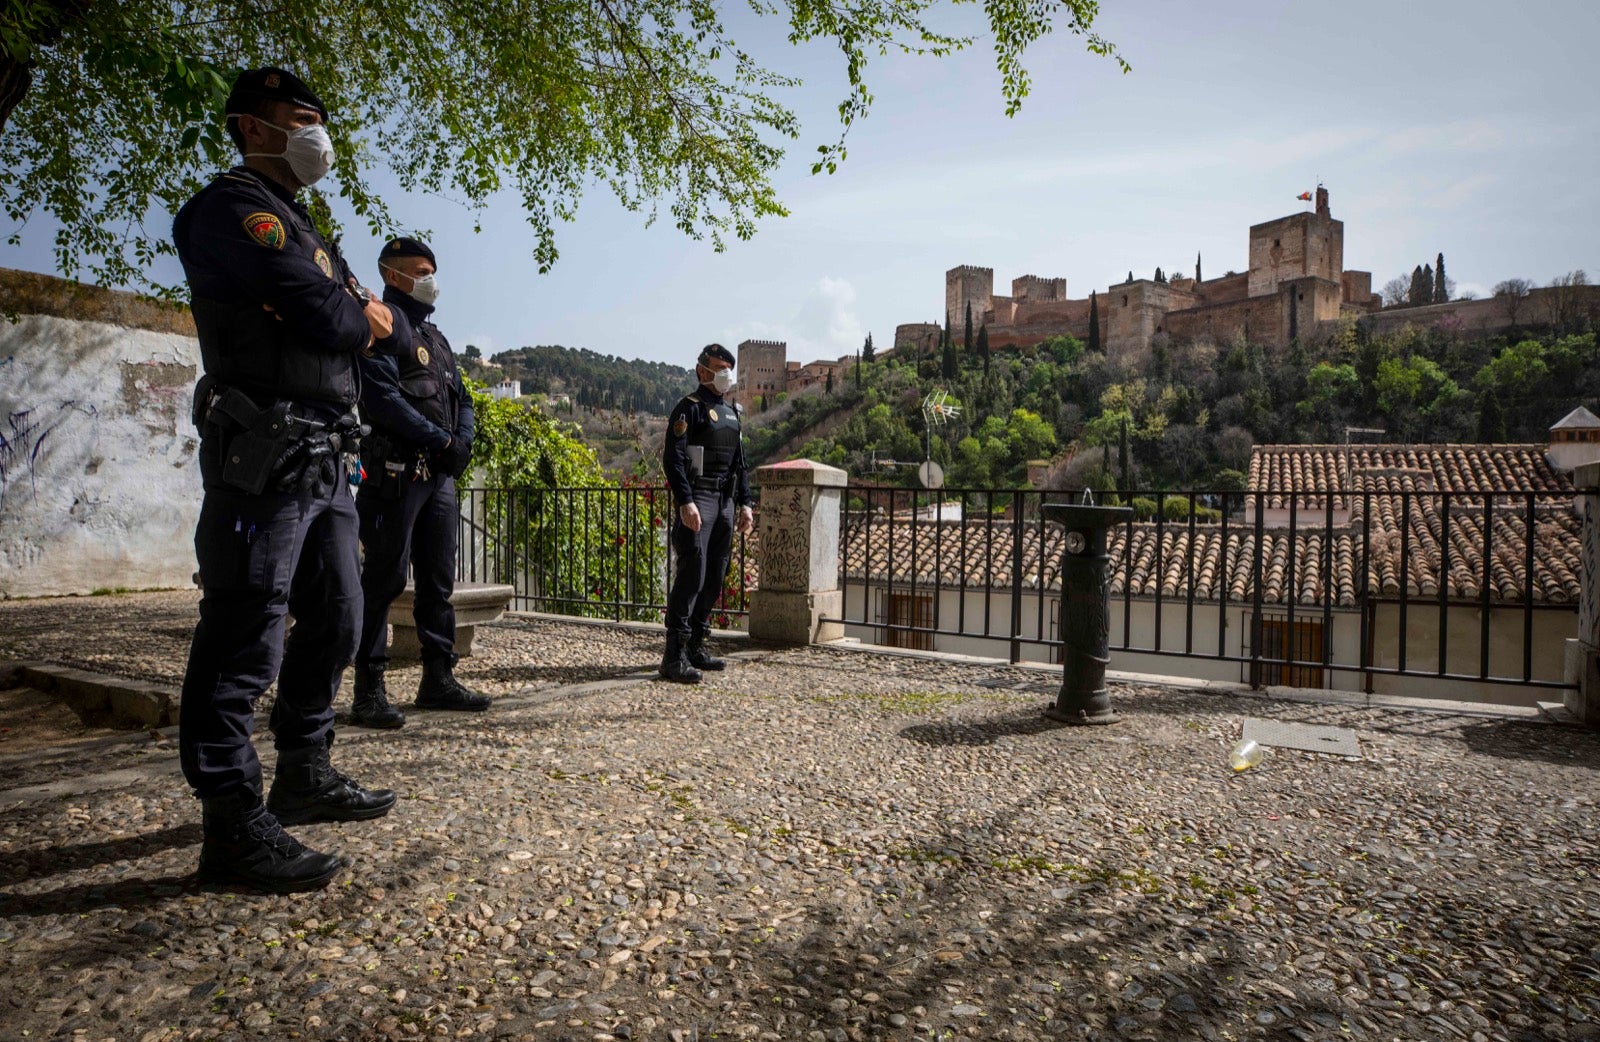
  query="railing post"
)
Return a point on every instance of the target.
[
  {"x": 797, "y": 599},
  {"x": 1583, "y": 653}
]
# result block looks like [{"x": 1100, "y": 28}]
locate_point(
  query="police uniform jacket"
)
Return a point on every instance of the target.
[
  {"x": 246, "y": 246},
  {"x": 706, "y": 422},
  {"x": 415, "y": 398}
]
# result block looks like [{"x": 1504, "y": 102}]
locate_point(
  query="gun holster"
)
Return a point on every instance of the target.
[{"x": 264, "y": 448}]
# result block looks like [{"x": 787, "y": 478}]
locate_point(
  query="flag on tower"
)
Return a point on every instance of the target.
[{"x": 1304, "y": 197}]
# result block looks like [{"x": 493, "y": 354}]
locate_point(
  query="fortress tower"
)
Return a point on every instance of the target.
[
  {"x": 763, "y": 367},
  {"x": 1302, "y": 245},
  {"x": 968, "y": 285}
]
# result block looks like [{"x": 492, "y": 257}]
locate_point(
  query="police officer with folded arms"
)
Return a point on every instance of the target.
[
  {"x": 421, "y": 441},
  {"x": 704, "y": 464},
  {"x": 281, "y": 323}
]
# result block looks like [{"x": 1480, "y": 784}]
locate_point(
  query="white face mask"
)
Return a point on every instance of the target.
[
  {"x": 424, "y": 288},
  {"x": 722, "y": 380},
  {"x": 308, "y": 150}
]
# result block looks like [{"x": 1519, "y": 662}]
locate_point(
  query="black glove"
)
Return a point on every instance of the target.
[{"x": 454, "y": 457}]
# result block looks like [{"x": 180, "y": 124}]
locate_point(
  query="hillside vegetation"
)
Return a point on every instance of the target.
[
  {"x": 1187, "y": 416},
  {"x": 595, "y": 380}
]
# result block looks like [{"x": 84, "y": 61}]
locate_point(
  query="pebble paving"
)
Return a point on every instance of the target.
[{"x": 819, "y": 844}]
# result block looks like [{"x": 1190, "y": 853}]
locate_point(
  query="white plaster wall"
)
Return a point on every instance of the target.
[{"x": 99, "y": 487}]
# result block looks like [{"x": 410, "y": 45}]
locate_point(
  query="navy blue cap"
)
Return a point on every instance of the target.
[
  {"x": 711, "y": 351},
  {"x": 406, "y": 247},
  {"x": 258, "y": 85}
]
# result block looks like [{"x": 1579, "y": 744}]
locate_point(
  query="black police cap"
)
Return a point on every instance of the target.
[
  {"x": 258, "y": 85},
  {"x": 405, "y": 247},
  {"x": 711, "y": 351}
]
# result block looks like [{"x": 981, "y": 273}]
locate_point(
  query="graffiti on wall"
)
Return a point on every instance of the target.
[{"x": 23, "y": 442}]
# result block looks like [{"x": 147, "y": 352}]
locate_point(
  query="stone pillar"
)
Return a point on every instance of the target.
[
  {"x": 798, "y": 553},
  {"x": 1583, "y": 653}
]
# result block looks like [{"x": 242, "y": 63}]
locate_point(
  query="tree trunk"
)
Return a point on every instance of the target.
[
  {"x": 15, "y": 79},
  {"x": 17, "y": 76}
]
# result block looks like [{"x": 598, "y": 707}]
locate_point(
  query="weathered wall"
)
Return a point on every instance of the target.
[
  {"x": 1551, "y": 305},
  {"x": 1224, "y": 289},
  {"x": 917, "y": 338},
  {"x": 98, "y": 482},
  {"x": 1255, "y": 318}
]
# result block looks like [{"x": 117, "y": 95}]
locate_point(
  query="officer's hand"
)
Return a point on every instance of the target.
[
  {"x": 689, "y": 514},
  {"x": 379, "y": 320},
  {"x": 269, "y": 309},
  {"x": 747, "y": 520}
]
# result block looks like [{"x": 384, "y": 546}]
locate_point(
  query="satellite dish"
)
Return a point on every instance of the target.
[{"x": 930, "y": 474}]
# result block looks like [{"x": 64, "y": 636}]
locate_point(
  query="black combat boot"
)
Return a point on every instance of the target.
[
  {"x": 441, "y": 690},
  {"x": 699, "y": 657},
  {"x": 371, "y": 707},
  {"x": 308, "y": 787},
  {"x": 675, "y": 663},
  {"x": 245, "y": 844}
]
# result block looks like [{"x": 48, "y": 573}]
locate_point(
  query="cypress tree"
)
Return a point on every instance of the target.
[
  {"x": 1491, "y": 420},
  {"x": 867, "y": 353},
  {"x": 1094, "y": 321},
  {"x": 1197, "y": 277},
  {"x": 1130, "y": 274},
  {"x": 944, "y": 342},
  {"x": 1415, "y": 296},
  {"x": 1122, "y": 459},
  {"x": 949, "y": 364},
  {"x": 1160, "y": 277},
  {"x": 966, "y": 339},
  {"x": 858, "y": 366},
  {"x": 1427, "y": 284},
  {"x": 1441, "y": 292},
  {"x": 983, "y": 345}
]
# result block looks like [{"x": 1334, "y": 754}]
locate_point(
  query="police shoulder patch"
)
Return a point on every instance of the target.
[
  {"x": 267, "y": 229},
  {"x": 323, "y": 261},
  {"x": 680, "y": 427}
]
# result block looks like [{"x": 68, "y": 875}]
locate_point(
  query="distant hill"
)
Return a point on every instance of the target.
[{"x": 595, "y": 380}]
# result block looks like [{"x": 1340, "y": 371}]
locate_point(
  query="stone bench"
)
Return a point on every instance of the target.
[{"x": 474, "y": 603}]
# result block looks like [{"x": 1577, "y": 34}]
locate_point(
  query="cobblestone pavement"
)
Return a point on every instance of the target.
[{"x": 819, "y": 844}]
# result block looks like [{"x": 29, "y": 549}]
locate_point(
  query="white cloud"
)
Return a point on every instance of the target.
[{"x": 826, "y": 324}]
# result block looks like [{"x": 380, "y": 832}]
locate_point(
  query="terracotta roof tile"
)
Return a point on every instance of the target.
[{"x": 1402, "y": 545}]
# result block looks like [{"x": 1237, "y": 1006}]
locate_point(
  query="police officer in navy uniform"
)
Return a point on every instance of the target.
[
  {"x": 704, "y": 463},
  {"x": 422, "y": 427},
  {"x": 281, "y": 322}
]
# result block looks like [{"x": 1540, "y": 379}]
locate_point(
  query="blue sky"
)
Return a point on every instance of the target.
[{"x": 1467, "y": 127}]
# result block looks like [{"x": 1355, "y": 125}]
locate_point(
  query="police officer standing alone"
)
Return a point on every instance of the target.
[
  {"x": 422, "y": 427},
  {"x": 280, "y": 321},
  {"x": 704, "y": 463}
]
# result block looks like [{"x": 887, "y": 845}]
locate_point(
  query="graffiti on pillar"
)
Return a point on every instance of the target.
[{"x": 786, "y": 538}]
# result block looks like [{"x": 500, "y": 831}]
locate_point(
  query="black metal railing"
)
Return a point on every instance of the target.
[
  {"x": 601, "y": 552},
  {"x": 1310, "y": 589}
]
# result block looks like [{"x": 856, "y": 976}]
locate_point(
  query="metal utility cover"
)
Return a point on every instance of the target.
[{"x": 1340, "y": 741}]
